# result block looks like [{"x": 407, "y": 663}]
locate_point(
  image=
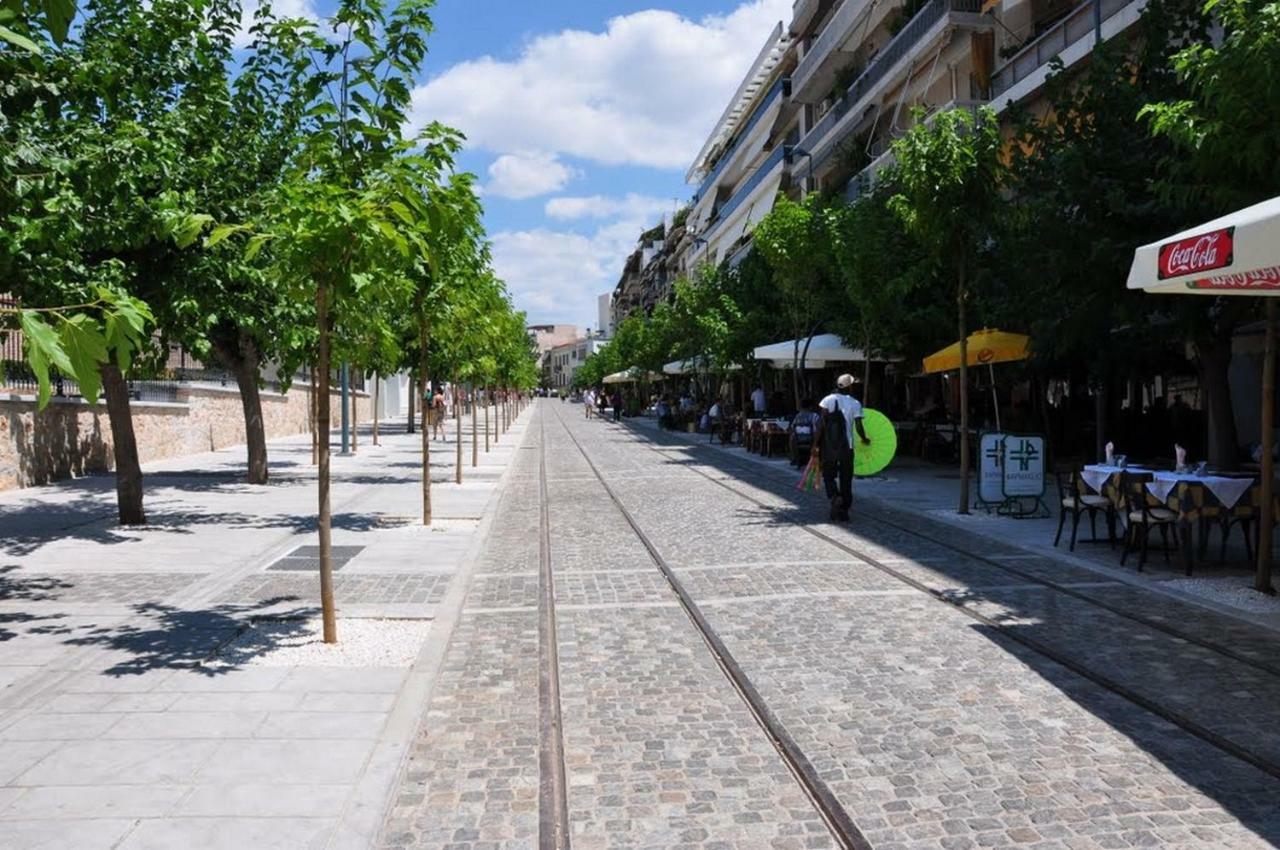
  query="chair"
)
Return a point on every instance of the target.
[
  {"x": 1143, "y": 513},
  {"x": 1245, "y": 513},
  {"x": 1075, "y": 499}
]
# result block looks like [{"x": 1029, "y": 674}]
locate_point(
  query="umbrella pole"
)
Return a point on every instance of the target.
[
  {"x": 1262, "y": 580},
  {"x": 995, "y": 397}
]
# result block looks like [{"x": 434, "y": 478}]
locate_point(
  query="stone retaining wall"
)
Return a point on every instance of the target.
[{"x": 70, "y": 438}]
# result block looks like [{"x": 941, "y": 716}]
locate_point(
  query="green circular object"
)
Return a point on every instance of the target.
[{"x": 868, "y": 460}]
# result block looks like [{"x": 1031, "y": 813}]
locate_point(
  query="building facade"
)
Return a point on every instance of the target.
[{"x": 562, "y": 362}]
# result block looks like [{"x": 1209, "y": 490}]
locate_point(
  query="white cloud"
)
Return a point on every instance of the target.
[
  {"x": 281, "y": 9},
  {"x": 527, "y": 175},
  {"x": 645, "y": 91},
  {"x": 556, "y": 275},
  {"x": 601, "y": 206}
]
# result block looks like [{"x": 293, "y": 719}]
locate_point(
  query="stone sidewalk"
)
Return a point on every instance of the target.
[{"x": 162, "y": 687}]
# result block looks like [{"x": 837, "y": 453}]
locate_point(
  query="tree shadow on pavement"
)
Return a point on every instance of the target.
[
  {"x": 163, "y": 637},
  {"x": 1211, "y": 735}
]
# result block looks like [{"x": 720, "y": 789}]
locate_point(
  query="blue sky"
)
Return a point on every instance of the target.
[{"x": 582, "y": 117}]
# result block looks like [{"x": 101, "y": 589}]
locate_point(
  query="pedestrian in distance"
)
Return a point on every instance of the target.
[
  {"x": 841, "y": 417},
  {"x": 437, "y": 415},
  {"x": 616, "y": 401},
  {"x": 588, "y": 401},
  {"x": 759, "y": 402}
]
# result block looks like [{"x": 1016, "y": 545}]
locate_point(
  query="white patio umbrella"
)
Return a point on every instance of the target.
[
  {"x": 823, "y": 349},
  {"x": 1238, "y": 254}
]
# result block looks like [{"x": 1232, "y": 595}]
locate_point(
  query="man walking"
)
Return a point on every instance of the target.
[
  {"x": 841, "y": 416},
  {"x": 759, "y": 403}
]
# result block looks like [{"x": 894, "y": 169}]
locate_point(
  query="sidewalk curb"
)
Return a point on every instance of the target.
[
  {"x": 371, "y": 800},
  {"x": 1268, "y": 622}
]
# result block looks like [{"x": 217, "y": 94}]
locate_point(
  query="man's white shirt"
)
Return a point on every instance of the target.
[
  {"x": 849, "y": 407},
  {"x": 758, "y": 400}
]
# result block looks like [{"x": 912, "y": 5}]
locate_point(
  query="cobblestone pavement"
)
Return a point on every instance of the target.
[{"x": 932, "y": 728}]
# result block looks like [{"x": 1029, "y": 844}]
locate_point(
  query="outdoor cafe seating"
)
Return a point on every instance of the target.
[{"x": 1185, "y": 505}]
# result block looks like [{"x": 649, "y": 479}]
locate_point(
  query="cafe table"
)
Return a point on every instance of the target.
[
  {"x": 1186, "y": 494},
  {"x": 1104, "y": 479}
]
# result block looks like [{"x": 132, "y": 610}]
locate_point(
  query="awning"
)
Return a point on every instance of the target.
[
  {"x": 1238, "y": 254},
  {"x": 823, "y": 349},
  {"x": 630, "y": 376},
  {"x": 684, "y": 367},
  {"x": 985, "y": 347}
]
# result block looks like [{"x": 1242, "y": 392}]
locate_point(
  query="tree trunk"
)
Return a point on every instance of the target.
[
  {"x": 312, "y": 412},
  {"x": 125, "y": 446},
  {"x": 457, "y": 421},
  {"x": 413, "y": 391},
  {"x": 1101, "y": 406},
  {"x": 1215, "y": 363},
  {"x": 1262, "y": 579},
  {"x": 355, "y": 427},
  {"x": 964, "y": 388},
  {"x": 322, "y": 431},
  {"x": 427, "y": 413},
  {"x": 375, "y": 408},
  {"x": 866, "y": 372},
  {"x": 241, "y": 356},
  {"x": 488, "y": 400},
  {"x": 475, "y": 435}
]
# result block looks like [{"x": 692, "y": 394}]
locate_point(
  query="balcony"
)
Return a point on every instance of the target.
[
  {"x": 814, "y": 69},
  {"x": 901, "y": 47},
  {"x": 1077, "y": 26},
  {"x": 779, "y": 89},
  {"x": 726, "y": 210},
  {"x": 882, "y": 149}
]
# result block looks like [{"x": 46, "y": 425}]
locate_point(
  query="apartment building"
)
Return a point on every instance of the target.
[
  {"x": 562, "y": 362},
  {"x": 650, "y": 271},
  {"x": 867, "y": 66},
  {"x": 745, "y": 162}
]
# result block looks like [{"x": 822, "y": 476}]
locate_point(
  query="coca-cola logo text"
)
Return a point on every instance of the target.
[{"x": 1195, "y": 254}]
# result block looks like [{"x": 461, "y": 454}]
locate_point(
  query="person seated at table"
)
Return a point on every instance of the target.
[
  {"x": 663, "y": 410},
  {"x": 803, "y": 426}
]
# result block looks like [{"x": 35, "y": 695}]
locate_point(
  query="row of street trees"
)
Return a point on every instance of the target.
[
  {"x": 256, "y": 196},
  {"x": 1029, "y": 226}
]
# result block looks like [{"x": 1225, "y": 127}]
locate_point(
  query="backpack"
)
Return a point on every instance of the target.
[{"x": 835, "y": 435}]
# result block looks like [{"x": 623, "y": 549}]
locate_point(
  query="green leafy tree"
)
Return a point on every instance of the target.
[
  {"x": 794, "y": 242},
  {"x": 1225, "y": 132},
  {"x": 948, "y": 183},
  {"x": 347, "y": 225}
]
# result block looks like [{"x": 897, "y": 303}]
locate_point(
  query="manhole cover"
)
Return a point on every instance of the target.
[{"x": 307, "y": 558}]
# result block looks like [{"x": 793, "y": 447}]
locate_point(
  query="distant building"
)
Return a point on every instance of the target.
[
  {"x": 562, "y": 363},
  {"x": 650, "y": 272},
  {"x": 604, "y": 318},
  {"x": 547, "y": 337}
]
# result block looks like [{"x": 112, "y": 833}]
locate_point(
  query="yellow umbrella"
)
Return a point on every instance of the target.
[{"x": 984, "y": 348}]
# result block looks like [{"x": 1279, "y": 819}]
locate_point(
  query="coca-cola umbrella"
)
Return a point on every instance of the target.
[{"x": 1238, "y": 254}]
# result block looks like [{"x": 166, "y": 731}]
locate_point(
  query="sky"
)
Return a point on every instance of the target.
[{"x": 582, "y": 117}]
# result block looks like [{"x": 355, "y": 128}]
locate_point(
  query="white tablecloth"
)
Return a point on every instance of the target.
[
  {"x": 1096, "y": 474},
  {"x": 1226, "y": 490}
]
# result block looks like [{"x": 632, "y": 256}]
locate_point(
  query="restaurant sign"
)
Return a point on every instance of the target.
[
  {"x": 1250, "y": 281},
  {"x": 1023, "y": 461},
  {"x": 1195, "y": 254},
  {"x": 990, "y": 467}
]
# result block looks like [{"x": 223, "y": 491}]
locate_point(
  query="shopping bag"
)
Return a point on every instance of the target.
[{"x": 812, "y": 474}]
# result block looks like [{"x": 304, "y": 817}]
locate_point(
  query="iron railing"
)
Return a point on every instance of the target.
[
  {"x": 720, "y": 215},
  {"x": 838, "y": 27},
  {"x": 774, "y": 93},
  {"x": 879, "y": 67},
  {"x": 1040, "y": 51}
]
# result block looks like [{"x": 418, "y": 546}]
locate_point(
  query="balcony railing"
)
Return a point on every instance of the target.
[
  {"x": 1077, "y": 25},
  {"x": 779, "y": 88},
  {"x": 842, "y": 23},
  {"x": 901, "y": 45},
  {"x": 744, "y": 191}
]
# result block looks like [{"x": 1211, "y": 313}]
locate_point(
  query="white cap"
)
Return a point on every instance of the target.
[{"x": 845, "y": 380}]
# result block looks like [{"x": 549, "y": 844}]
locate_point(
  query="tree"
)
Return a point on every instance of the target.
[
  {"x": 1225, "y": 130},
  {"x": 347, "y": 225},
  {"x": 876, "y": 264},
  {"x": 94, "y": 174},
  {"x": 948, "y": 189},
  {"x": 793, "y": 241}
]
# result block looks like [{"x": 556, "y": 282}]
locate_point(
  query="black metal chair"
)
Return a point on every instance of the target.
[
  {"x": 1245, "y": 514},
  {"x": 1143, "y": 513},
  {"x": 1074, "y": 499}
]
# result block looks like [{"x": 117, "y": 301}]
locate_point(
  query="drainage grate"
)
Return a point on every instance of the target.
[{"x": 307, "y": 558}]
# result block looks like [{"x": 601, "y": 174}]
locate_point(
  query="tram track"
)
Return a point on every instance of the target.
[
  {"x": 553, "y": 798},
  {"x": 1012, "y": 635},
  {"x": 840, "y": 825}
]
